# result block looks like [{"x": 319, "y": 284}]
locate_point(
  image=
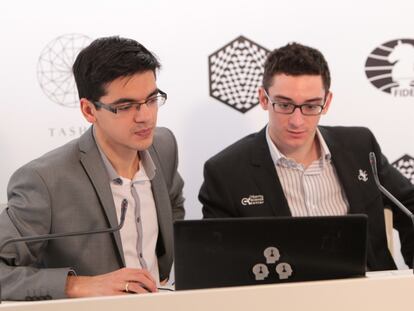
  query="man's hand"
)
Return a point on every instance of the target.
[{"x": 113, "y": 283}]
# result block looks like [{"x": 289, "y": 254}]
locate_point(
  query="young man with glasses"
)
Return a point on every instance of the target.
[
  {"x": 293, "y": 167},
  {"x": 122, "y": 160}
]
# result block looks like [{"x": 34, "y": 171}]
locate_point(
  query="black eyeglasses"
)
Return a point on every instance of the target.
[
  {"x": 122, "y": 108},
  {"x": 289, "y": 107}
]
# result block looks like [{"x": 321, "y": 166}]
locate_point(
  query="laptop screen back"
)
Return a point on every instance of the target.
[{"x": 247, "y": 251}]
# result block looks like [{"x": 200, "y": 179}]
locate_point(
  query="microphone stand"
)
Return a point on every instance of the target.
[
  {"x": 405, "y": 210},
  {"x": 54, "y": 236}
]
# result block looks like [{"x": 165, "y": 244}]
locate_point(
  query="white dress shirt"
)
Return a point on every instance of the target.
[
  {"x": 314, "y": 191},
  {"x": 139, "y": 234}
]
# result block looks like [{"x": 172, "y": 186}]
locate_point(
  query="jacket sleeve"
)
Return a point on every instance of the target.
[
  {"x": 214, "y": 195},
  {"x": 28, "y": 214},
  {"x": 403, "y": 190}
]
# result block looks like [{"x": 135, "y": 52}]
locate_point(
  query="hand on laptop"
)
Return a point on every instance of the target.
[{"x": 118, "y": 282}]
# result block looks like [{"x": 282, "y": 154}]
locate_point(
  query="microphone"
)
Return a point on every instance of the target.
[
  {"x": 54, "y": 236},
  {"x": 405, "y": 210}
]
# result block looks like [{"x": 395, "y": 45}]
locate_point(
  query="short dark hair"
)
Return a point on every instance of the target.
[
  {"x": 107, "y": 59},
  {"x": 295, "y": 59}
]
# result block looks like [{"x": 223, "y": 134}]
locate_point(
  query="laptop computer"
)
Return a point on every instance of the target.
[{"x": 246, "y": 251}]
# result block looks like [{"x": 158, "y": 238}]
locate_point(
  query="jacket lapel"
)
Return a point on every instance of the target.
[
  {"x": 346, "y": 166},
  {"x": 92, "y": 163},
  {"x": 162, "y": 203},
  {"x": 265, "y": 176}
]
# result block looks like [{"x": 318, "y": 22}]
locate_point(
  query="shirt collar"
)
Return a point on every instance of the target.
[
  {"x": 325, "y": 152},
  {"x": 279, "y": 158},
  {"x": 147, "y": 168}
]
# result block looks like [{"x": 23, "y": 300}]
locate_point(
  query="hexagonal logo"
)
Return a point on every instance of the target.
[
  {"x": 54, "y": 68},
  {"x": 390, "y": 67},
  {"x": 236, "y": 72},
  {"x": 405, "y": 165}
]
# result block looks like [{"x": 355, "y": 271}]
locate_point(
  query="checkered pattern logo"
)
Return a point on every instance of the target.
[
  {"x": 236, "y": 72},
  {"x": 405, "y": 165}
]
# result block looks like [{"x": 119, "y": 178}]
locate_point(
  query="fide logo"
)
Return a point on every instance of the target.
[
  {"x": 390, "y": 67},
  {"x": 405, "y": 165},
  {"x": 235, "y": 73},
  {"x": 54, "y": 68}
]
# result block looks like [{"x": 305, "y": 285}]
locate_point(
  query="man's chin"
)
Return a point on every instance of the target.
[{"x": 144, "y": 144}]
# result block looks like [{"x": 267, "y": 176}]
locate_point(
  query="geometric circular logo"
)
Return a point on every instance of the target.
[
  {"x": 405, "y": 165},
  {"x": 236, "y": 72},
  {"x": 390, "y": 67},
  {"x": 54, "y": 68}
]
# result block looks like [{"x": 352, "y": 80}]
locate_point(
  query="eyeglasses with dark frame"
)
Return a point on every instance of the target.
[
  {"x": 156, "y": 100},
  {"x": 306, "y": 109}
]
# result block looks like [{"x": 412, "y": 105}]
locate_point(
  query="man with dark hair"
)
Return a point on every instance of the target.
[
  {"x": 293, "y": 167},
  {"x": 123, "y": 159}
]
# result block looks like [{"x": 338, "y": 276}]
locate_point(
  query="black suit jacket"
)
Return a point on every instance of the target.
[{"x": 246, "y": 168}]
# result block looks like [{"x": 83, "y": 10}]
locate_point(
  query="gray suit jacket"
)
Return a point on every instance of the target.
[{"x": 68, "y": 190}]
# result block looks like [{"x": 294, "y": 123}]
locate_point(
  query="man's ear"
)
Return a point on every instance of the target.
[
  {"x": 88, "y": 110},
  {"x": 263, "y": 100},
  {"x": 327, "y": 102}
]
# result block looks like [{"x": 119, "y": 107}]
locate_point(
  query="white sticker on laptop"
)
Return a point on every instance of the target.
[
  {"x": 284, "y": 270},
  {"x": 271, "y": 254},
  {"x": 260, "y": 271}
]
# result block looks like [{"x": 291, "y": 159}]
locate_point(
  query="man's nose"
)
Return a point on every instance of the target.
[
  {"x": 144, "y": 113},
  {"x": 296, "y": 118}
]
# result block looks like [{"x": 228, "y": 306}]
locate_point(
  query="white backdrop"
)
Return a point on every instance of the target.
[{"x": 183, "y": 34}]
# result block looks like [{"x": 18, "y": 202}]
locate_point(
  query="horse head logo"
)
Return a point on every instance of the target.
[{"x": 402, "y": 57}]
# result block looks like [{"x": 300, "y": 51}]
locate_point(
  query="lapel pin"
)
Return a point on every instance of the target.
[{"x": 363, "y": 176}]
